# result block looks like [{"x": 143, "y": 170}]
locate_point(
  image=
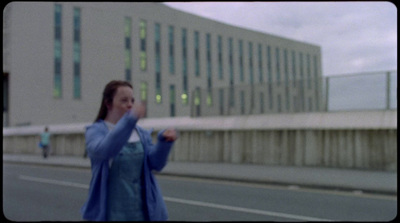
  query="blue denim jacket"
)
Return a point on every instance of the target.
[{"x": 101, "y": 145}]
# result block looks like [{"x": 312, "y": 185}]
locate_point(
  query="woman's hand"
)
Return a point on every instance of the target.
[
  {"x": 139, "y": 110},
  {"x": 170, "y": 135}
]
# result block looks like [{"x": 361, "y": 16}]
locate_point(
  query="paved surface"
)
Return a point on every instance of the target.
[
  {"x": 328, "y": 178},
  {"x": 46, "y": 193}
]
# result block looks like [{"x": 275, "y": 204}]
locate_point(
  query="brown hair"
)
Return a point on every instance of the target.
[{"x": 108, "y": 96}]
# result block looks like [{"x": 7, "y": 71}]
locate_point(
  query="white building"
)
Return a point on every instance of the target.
[{"x": 57, "y": 58}]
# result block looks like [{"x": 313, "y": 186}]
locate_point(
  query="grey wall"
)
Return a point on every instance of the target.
[{"x": 360, "y": 140}]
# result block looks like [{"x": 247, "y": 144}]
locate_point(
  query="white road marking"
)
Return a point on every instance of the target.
[
  {"x": 246, "y": 210},
  {"x": 55, "y": 182},
  {"x": 183, "y": 201}
]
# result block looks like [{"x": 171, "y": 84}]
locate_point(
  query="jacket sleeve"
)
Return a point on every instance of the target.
[
  {"x": 102, "y": 144},
  {"x": 158, "y": 154}
]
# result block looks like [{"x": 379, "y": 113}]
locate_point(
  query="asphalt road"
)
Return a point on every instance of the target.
[{"x": 37, "y": 193}]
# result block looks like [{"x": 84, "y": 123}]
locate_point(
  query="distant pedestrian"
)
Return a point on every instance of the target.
[
  {"x": 122, "y": 157},
  {"x": 45, "y": 142}
]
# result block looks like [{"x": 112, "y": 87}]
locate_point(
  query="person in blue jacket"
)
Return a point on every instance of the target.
[{"x": 122, "y": 157}]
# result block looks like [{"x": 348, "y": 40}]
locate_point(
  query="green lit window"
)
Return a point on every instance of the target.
[
  {"x": 209, "y": 70},
  {"x": 157, "y": 44},
  {"x": 143, "y": 91},
  {"x": 197, "y": 97},
  {"x": 184, "y": 95},
  {"x": 57, "y": 90},
  {"x": 209, "y": 98},
  {"x": 143, "y": 53},
  {"x": 197, "y": 101}
]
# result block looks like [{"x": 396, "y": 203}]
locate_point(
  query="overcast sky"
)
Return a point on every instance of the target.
[{"x": 354, "y": 36}]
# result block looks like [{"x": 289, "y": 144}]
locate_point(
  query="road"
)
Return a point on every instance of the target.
[{"x": 38, "y": 193}]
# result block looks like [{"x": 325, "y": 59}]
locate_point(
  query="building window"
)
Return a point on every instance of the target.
[
  {"x": 270, "y": 84},
  {"x": 209, "y": 70},
  {"x": 261, "y": 102},
  {"x": 301, "y": 82},
  {"x": 315, "y": 67},
  {"x": 316, "y": 81},
  {"x": 57, "y": 90},
  {"x": 301, "y": 66},
  {"x": 77, "y": 53},
  {"x": 269, "y": 64},
  {"x": 241, "y": 69},
  {"x": 242, "y": 104},
  {"x": 143, "y": 94},
  {"x": 197, "y": 101},
  {"x": 220, "y": 59},
  {"x": 286, "y": 70},
  {"x": 260, "y": 64},
  {"x": 278, "y": 66},
  {"x": 184, "y": 95},
  {"x": 143, "y": 52},
  {"x": 171, "y": 50},
  {"x": 231, "y": 75},
  {"x": 221, "y": 101},
  {"x": 197, "y": 53},
  {"x": 128, "y": 50},
  {"x": 172, "y": 100},
  {"x": 157, "y": 44},
  {"x": 308, "y": 71},
  {"x": 251, "y": 63},
  {"x": 279, "y": 103},
  {"x": 294, "y": 67},
  {"x": 143, "y": 91}
]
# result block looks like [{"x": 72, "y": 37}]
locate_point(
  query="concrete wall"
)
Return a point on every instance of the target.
[{"x": 360, "y": 140}]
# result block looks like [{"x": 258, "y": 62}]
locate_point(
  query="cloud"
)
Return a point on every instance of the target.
[{"x": 354, "y": 36}]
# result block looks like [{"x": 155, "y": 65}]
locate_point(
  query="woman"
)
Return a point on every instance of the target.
[
  {"x": 122, "y": 157},
  {"x": 45, "y": 141}
]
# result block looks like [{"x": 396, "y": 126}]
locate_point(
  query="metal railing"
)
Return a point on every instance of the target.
[{"x": 364, "y": 91}]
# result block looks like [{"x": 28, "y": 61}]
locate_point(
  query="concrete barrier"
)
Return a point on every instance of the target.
[{"x": 359, "y": 140}]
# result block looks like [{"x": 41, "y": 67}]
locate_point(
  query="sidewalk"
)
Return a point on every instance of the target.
[{"x": 328, "y": 178}]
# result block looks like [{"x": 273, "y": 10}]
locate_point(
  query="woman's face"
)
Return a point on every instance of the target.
[{"x": 122, "y": 102}]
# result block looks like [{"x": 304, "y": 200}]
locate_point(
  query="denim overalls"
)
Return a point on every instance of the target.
[{"x": 125, "y": 196}]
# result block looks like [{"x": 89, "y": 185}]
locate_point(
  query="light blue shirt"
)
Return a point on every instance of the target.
[{"x": 45, "y": 138}]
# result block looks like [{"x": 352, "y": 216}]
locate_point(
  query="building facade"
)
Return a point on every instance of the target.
[{"x": 57, "y": 58}]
